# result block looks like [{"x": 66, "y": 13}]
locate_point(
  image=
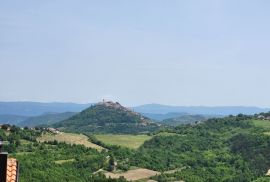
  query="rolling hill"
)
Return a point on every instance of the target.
[
  {"x": 107, "y": 117},
  {"x": 187, "y": 119},
  {"x": 46, "y": 119},
  {"x": 38, "y": 108}
]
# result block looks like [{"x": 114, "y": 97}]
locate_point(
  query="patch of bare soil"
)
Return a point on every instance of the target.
[
  {"x": 268, "y": 173},
  {"x": 133, "y": 175}
]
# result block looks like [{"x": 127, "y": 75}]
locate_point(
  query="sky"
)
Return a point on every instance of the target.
[{"x": 203, "y": 52}]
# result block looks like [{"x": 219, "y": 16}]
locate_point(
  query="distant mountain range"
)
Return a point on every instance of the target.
[
  {"x": 36, "y": 113},
  {"x": 46, "y": 119},
  {"x": 11, "y": 119},
  {"x": 187, "y": 119},
  {"x": 32, "y": 121},
  {"x": 206, "y": 110},
  {"x": 160, "y": 117},
  {"x": 38, "y": 108}
]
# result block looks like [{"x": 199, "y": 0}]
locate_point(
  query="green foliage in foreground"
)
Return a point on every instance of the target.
[{"x": 39, "y": 162}]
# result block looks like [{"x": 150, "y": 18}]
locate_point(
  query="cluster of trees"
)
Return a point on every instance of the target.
[
  {"x": 254, "y": 149},
  {"x": 15, "y": 136},
  {"x": 53, "y": 161},
  {"x": 266, "y": 114}
]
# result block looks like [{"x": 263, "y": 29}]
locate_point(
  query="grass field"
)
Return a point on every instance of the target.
[
  {"x": 130, "y": 141},
  {"x": 262, "y": 123},
  {"x": 70, "y": 138}
]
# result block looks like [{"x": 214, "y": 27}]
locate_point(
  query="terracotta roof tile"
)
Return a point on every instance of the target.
[{"x": 11, "y": 170}]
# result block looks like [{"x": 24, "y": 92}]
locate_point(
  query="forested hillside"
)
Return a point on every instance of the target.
[
  {"x": 52, "y": 161},
  {"x": 229, "y": 149}
]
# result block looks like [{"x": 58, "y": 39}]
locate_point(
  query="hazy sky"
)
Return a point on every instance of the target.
[{"x": 176, "y": 52}]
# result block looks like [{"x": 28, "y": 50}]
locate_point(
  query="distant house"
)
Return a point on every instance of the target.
[
  {"x": 261, "y": 117},
  {"x": 53, "y": 130}
]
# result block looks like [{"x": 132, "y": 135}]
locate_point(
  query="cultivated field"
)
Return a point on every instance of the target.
[
  {"x": 70, "y": 138},
  {"x": 130, "y": 141},
  {"x": 133, "y": 175},
  {"x": 262, "y": 123}
]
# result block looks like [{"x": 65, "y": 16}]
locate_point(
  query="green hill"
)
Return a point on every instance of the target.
[
  {"x": 46, "y": 119},
  {"x": 107, "y": 117},
  {"x": 11, "y": 119},
  {"x": 187, "y": 119}
]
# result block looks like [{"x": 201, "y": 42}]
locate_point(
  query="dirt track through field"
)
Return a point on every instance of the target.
[{"x": 133, "y": 175}]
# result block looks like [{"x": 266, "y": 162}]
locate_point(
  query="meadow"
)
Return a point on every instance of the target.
[
  {"x": 129, "y": 141},
  {"x": 70, "y": 138},
  {"x": 262, "y": 123}
]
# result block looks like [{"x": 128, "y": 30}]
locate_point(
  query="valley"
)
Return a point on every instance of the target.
[
  {"x": 134, "y": 91},
  {"x": 233, "y": 148}
]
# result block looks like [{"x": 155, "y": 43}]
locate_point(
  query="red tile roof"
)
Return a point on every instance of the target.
[{"x": 12, "y": 170}]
